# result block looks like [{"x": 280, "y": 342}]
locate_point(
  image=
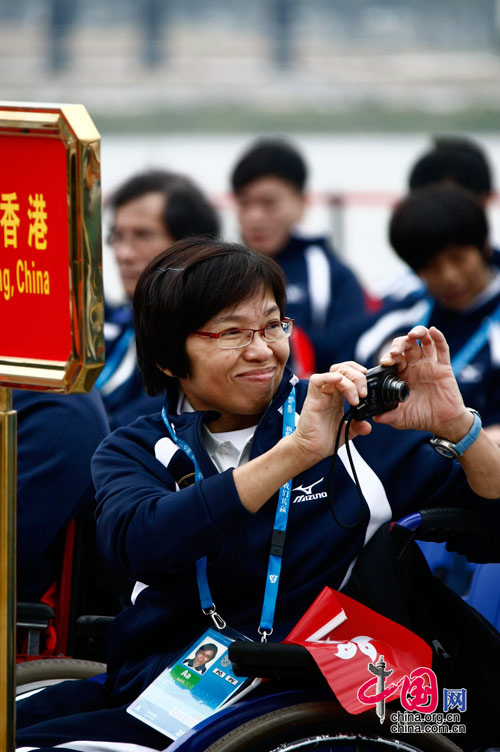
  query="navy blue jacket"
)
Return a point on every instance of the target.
[
  {"x": 323, "y": 295},
  {"x": 479, "y": 380},
  {"x": 57, "y": 436},
  {"x": 154, "y": 534}
]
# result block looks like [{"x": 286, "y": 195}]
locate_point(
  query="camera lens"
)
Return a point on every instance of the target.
[{"x": 394, "y": 390}]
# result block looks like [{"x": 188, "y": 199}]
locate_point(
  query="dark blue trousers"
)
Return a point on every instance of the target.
[{"x": 77, "y": 711}]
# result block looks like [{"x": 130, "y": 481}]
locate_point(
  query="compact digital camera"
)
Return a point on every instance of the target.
[{"x": 385, "y": 392}]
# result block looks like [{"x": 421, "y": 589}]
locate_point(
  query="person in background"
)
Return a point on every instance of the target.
[
  {"x": 451, "y": 161},
  {"x": 454, "y": 160},
  {"x": 151, "y": 210},
  {"x": 323, "y": 294},
  {"x": 441, "y": 232}
]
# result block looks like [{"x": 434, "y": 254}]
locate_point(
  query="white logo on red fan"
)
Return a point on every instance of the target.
[{"x": 348, "y": 648}]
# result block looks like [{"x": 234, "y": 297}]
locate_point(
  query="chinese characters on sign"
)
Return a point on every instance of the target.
[
  {"x": 26, "y": 280},
  {"x": 34, "y": 249},
  {"x": 37, "y": 216},
  {"x": 10, "y": 220}
]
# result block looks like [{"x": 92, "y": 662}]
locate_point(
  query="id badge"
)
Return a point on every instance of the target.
[{"x": 193, "y": 688}]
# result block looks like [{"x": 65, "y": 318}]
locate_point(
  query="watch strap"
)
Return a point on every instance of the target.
[{"x": 448, "y": 449}]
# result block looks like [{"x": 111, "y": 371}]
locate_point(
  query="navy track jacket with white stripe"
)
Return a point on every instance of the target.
[
  {"x": 323, "y": 295},
  {"x": 155, "y": 534},
  {"x": 479, "y": 378}
]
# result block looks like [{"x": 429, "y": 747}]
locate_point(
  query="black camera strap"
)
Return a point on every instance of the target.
[{"x": 344, "y": 425}]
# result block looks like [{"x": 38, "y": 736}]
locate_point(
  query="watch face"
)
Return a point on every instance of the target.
[{"x": 454, "y": 451}]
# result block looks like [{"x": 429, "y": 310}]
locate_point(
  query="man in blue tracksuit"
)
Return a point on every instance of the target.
[
  {"x": 151, "y": 210},
  {"x": 323, "y": 295},
  {"x": 208, "y": 479}
]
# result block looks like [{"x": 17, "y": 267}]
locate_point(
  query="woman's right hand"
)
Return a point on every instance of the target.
[
  {"x": 323, "y": 409},
  {"x": 313, "y": 438}
]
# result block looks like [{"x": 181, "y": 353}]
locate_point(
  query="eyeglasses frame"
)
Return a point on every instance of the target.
[
  {"x": 114, "y": 239},
  {"x": 218, "y": 335}
]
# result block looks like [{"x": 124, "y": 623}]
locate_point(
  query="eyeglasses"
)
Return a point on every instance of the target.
[
  {"x": 233, "y": 338},
  {"x": 135, "y": 238}
]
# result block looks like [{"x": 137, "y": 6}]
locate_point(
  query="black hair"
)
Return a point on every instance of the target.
[
  {"x": 270, "y": 157},
  {"x": 430, "y": 219},
  {"x": 184, "y": 287},
  {"x": 456, "y": 160},
  {"x": 187, "y": 211}
]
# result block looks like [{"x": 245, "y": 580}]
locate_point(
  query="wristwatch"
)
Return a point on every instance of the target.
[{"x": 453, "y": 451}]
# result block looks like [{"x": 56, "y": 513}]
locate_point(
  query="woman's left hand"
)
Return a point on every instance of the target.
[{"x": 435, "y": 403}]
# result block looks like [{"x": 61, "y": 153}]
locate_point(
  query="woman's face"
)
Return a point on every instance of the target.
[{"x": 239, "y": 383}]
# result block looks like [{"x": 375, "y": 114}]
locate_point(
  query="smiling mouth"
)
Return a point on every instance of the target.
[{"x": 258, "y": 375}]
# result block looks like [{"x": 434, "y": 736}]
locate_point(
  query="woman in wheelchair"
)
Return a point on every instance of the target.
[{"x": 193, "y": 503}]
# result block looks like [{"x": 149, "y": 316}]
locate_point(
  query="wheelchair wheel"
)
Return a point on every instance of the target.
[
  {"x": 347, "y": 743},
  {"x": 323, "y": 726},
  {"x": 35, "y": 675}
]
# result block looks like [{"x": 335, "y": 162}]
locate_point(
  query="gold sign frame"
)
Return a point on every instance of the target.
[{"x": 73, "y": 126}]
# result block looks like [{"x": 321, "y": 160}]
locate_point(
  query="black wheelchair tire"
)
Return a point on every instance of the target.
[
  {"x": 269, "y": 731},
  {"x": 34, "y": 675}
]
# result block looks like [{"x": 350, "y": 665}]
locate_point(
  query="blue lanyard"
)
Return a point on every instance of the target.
[
  {"x": 277, "y": 541},
  {"x": 473, "y": 345},
  {"x": 278, "y": 537},
  {"x": 116, "y": 357}
]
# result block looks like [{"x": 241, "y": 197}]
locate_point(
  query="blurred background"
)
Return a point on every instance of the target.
[{"x": 360, "y": 86}]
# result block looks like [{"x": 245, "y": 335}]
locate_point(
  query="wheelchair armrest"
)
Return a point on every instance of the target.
[
  {"x": 436, "y": 523},
  {"x": 33, "y": 614},
  {"x": 34, "y": 618},
  {"x": 273, "y": 660}
]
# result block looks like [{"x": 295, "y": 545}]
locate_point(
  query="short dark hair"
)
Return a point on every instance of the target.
[
  {"x": 453, "y": 159},
  {"x": 187, "y": 211},
  {"x": 430, "y": 219},
  {"x": 185, "y": 286},
  {"x": 270, "y": 157}
]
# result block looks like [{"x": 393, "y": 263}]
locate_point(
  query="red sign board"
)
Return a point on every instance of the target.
[
  {"x": 34, "y": 255},
  {"x": 51, "y": 297}
]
